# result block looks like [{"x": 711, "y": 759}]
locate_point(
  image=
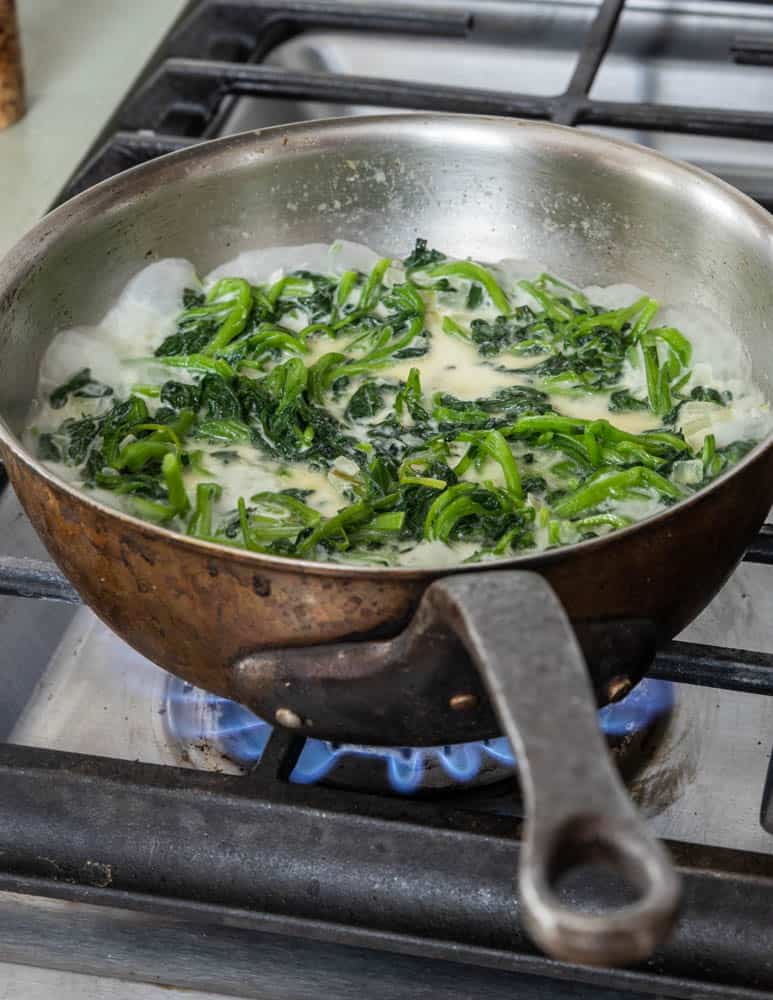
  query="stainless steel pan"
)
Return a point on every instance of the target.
[{"x": 319, "y": 647}]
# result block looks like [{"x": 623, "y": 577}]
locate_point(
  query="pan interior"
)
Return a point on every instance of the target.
[{"x": 597, "y": 211}]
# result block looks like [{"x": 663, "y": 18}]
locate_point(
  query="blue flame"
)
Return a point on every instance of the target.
[
  {"x": 404, "y": 765},
  {"x": 647, "y": 702},
  {"x": 243, "y": 737},
  {"x": 195, "y": 715}
]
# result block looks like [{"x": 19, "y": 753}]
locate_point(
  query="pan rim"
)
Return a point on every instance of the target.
[{"x": 21, "y": 258}]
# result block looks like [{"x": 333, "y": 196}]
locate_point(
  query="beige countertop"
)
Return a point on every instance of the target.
[{"x": 80, "y": 57}]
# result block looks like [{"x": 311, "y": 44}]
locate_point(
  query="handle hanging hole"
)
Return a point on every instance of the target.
[{"x": 595, "y": 868}]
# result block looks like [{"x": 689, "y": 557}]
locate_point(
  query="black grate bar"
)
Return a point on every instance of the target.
[
  {"x": 752, "y": 50},
  {"x": 200, "y": 85},
  {"x": 203, "y": 84},
  {"x": 766, "y": 809},
  {"x": 378, "y": 870},
  {"x": 248, "y": 21},
  {"x": 715, "y": 666},
  {"x": 679, "y": 118},
  {"x": 761, "y": 549},
  {"x": 280, "y": 756},
  {"x": 35, "y": 578},
  {"x": 249, "y": 30},
  {"x": 593, "y": 51}
]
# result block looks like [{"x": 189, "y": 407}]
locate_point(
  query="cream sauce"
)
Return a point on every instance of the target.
[{"x": 119, "y": 352}]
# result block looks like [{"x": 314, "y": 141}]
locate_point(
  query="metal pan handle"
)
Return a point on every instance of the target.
[
  {"x": 522, "y": 644},
  {"x": 520, "y": 639}
]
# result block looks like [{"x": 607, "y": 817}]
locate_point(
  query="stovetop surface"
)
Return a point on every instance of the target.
[
  {"x": 702, "y": 785},
  {"x": 69, "y": 684}
]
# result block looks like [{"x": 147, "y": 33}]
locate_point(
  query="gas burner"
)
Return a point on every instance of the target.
[{"x": 213, "y": 733}]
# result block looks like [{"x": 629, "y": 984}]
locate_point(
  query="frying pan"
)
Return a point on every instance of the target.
[{"x": 410, "y": 656}]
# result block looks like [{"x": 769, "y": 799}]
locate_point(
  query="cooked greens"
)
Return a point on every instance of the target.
[{"x": 329, "y": 415}]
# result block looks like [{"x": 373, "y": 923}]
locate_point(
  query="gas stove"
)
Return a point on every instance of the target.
[{"x": 153, "y": 833}]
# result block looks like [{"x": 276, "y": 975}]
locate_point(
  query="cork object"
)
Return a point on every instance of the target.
[{"x": 11, "y": 79}]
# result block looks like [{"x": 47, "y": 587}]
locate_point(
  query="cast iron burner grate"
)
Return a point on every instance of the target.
[
  {"x": 258, "y": 851},
  {"x": 217, "y": 50}
]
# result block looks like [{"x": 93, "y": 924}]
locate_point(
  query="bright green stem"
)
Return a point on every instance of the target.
[
  {"x": 614, "y": 484},
  {"x": 385, "y": 352},
  {"x": 238, "y": 294},
  {"x": 657, "y": 482},
  {"x": 227, "y": 431},
  {"x": 245, "y": 526},
  {"x": 712, "y": 462},
  {"x": 372, "y": 287},
  {"x": 173, "y": 432},
  {"x": 579, "y": 297},
  {"x": 451, "y": 506},
  {"x": 389, "y": 521},
  {"x": 161, "y": 432},
  {"x": 345, "y": 286},
  {"x": 548, "y": 422},
  {"x": 411, "y": 299},
  {"x": 409, "y": 472},
  {"x": 614, "y": 318},
  {"x": 615, "y": 521},
  {"x": 493, "y": 444},
  {"x": 653, "y": 441},
  {"x": 325, "y": 329},
  {"x": 322, "y": 374},
  {"x": 138, "y": 453},
  {"x": 151, "y": 510},
  {"x": 197, "y": 363},
  {"x": 330, "y": 367},
  {"x": 470, "y": 416},
  {"x": 472, "y": 272},
  {"x": 506, "y": 541},
  {"x": 183, "y": 422},
  {"x": 554, "y": 308},
  {"x": 288, "y": 381},
  {"x": 410, "y": 397},
  {"x": 665, "y": 401},
  {"x": 573, "y": 447},
  {"x": 289, "y": 283},
  {"x": 651, "y": 367},
  {"x": 433, "y": 484},
  {"x": 269, "y": 340},
  {"x": 626, "y": 453},
  {"x": 369, "y": 295},
  {"x": 172, "y": 471},
  {"x": 277, "y": 515},
  {"x": 450, "y": 326},
  {"x": 645, "y": 317},
  {"x": 433, "y": 522},
  {"x": 200, "y": 523},
  {"x": 676, "y": 341},
  {"x": 348, "y": 518},
  {"x": 594, "y": 448}
]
